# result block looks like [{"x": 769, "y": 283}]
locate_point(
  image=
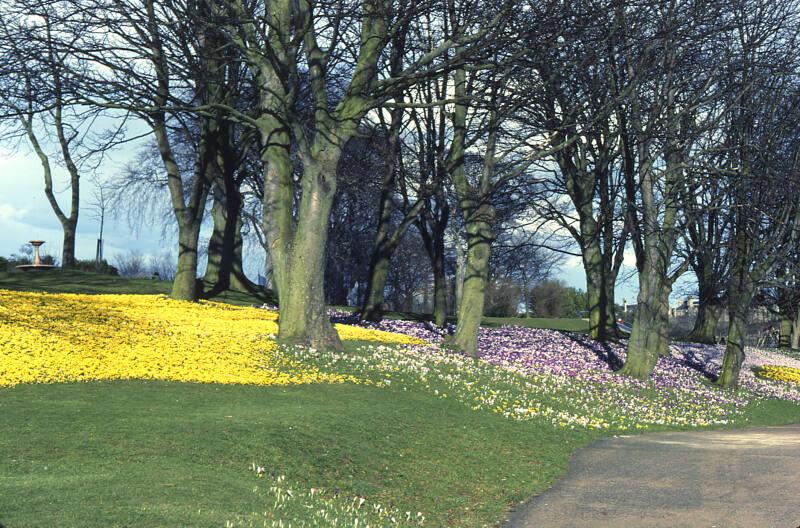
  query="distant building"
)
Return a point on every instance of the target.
[{"x": 688, "y": 307}]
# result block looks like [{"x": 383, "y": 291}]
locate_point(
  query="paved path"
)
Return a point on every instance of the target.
[{"x": 749, "y": 478}]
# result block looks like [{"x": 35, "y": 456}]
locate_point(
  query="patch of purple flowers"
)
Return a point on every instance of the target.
[{"x": 530, "y": 351}]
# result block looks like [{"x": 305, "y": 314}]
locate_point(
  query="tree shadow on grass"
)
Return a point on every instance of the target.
[{"x": 603, "y": 350}]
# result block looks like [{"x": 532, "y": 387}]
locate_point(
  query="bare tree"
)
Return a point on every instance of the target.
[
  {"x": 39, "y": 95},
  {"x": 763, "y": 166},
  {"x": 339, "y": 48},
  {"x": 98, "y": 207}
]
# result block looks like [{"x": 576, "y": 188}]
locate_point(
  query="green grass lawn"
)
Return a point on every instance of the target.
[
  {"x": 563, "y": 324},
  {"x": 169, "y": 454},
  {"x": 70, "y": 281}
]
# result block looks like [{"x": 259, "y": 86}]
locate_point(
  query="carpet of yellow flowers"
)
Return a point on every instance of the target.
[
  {"x": 780, "y": 373},
  {"x": 48, "y": 338}
]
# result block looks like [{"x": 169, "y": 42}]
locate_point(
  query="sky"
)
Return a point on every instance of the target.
[{"x": 26, "y": 215}]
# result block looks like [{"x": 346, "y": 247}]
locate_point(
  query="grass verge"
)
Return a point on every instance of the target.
[{"x": 171, "y": 454}]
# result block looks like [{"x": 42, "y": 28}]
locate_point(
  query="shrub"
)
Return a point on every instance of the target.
[{"x": 91, "y": 265}]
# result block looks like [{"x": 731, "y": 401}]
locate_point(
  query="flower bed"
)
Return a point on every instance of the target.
[
  {"x": 523, "y": 373},
  {"x": 780, "y": 373},
  {"x": 526, "y": 373},
  {"x": 46, "y": 338}
]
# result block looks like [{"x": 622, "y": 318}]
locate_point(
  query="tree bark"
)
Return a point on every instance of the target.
[
  {"x": 386, "y": 240},
  {"x": 479, "y": 217},
  {"x": 646, "y": 339},
  {"x": 69, "y": 222},
  {"x": 184, "y": 287},
  {"x": 68, "y": 251},
  {"x": 439, "y": 285},
  {"x": 788, "y": 309},
  {"x": 786, "y": 324},
  {"x": 705, "y": 324},
  {"x": 224, "y": 268},
  {"x": 433, "y": 241},
  {"x": 461, "y": 267},
  {"x": 796, "y": 331},
  {"x": 710, "y": 305},
  {"x": 734, "y": 350},
  {"x": 303, "y": 315},
  {"x": 374, "y": 298},
  {"x": 602, "y": 322},
  {"x": 741, "y": 297},
  {"x": 470, "y": 312}
]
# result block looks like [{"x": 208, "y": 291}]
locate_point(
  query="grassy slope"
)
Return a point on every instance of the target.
[{"x": 169, "y": 454}]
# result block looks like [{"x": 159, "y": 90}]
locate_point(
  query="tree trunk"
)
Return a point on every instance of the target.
[
  {"x": 734, "y": 350},
  {"x": 439, "y": 281},
  {"x": 709, "y": 304},
  {"x": 470, "y": 311},
  {"x": 705, "y": 325},
  {"x": 796, "y": 330},
  {"x": 786, "y": 324},
  {"x": 239, "y": 280},
  {"x": 788, "y": 307},
  {"x": 217, "y": 266},
  {"x": 374, "y": 298},
  {"x": 224, "y": 269},
  {"x": 663, "y": 320},
  {"x": 68, "y": 251},
  {"x": 740, "y": 296},
  {"x": 303, "y": 315},
  {"x": 646, "y": 339},
  {"x": 184, "y": 287},
  {"x": 600, "y": 292},
  {"x": 461, "y": 268}
]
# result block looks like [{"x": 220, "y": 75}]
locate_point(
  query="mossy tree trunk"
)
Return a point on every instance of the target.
[
  {"x": 68, "y": 221},
  {"x": 645, "y": 341},
  {"x": 188, "y": 195},
  {"x": 478, "y": 227},
  {"x": 788, "y": 310},
  {"x": 589, "y": 189},
  {"x": 303, "y": 314},
  {"x": 372, "y": 310},
  {"x": 785, "y": 330},
  {"x": 440, "y": 287},
  {"x": 184, "y": 286},
  {"x": 224, "y": 268},
  {"x": 479, "y": 218},
  {"x": 600, "y": 293},
  {"x": 296, "y": 244},
  {"x": 660, "y": 176},
  {"x": 705, "y": 324},
  {"x": 297, "y": 249},
  {"x": 188, "y": 212},
  {"x": 740, "y": 296},
  {"x": 705, "y": 236}
]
